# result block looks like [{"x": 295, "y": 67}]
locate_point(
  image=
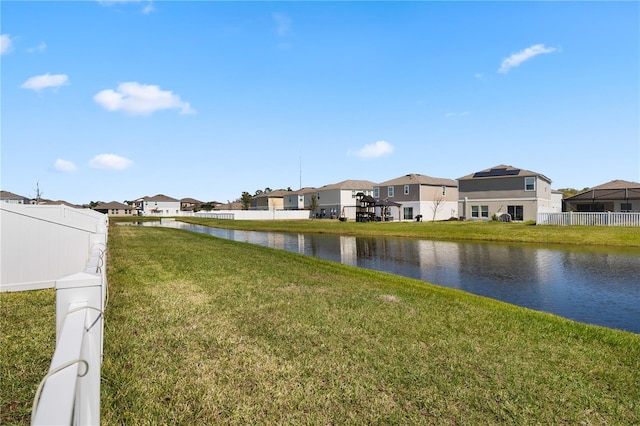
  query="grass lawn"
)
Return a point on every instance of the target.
[
  {"x": 201, "y": 330},
  {"x": 448, "y": 230}
]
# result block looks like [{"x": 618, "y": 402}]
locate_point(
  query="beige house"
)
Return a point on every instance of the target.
[
  {"x": 272, "y": 200},
  {"x": 339, "y": 199},
  {"x": 505, "y": 190},
  {"x": 115, "y": 208},
  {"x": 614, "y": 196},
  {"x": 421, "y": 196},
  {"x": 158, "y": 205}
]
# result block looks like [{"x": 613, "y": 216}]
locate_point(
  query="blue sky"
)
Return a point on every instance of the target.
[{"x": 121, "y": 99}]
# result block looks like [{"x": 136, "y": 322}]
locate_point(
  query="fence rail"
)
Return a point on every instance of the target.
[{"x": 589, "y": 219}]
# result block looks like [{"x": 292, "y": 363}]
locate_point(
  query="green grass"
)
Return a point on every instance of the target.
[
  {"x": 201, "y": 330},
  {"x": 448, "y": 230}
]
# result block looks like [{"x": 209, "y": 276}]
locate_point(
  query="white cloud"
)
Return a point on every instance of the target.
[
  {"x": 136, "y": 98},
  {"x": 524, "y": 55},
  {"x": 374, "y": 150},
  {"x": 456, "y": 114},
  {"x": 40, "y": 82},
  {"x": 146, "y": 9},
  {"x": 110, "y": 162},
  {"x": 64, "y": 166},
  {"x": 38, "y": 49},
  {"x": 283, "y": 23},
  {"x": 6, "y": 44}
]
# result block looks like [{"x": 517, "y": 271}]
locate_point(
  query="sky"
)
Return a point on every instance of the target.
[{"x": 117, "y": 100}]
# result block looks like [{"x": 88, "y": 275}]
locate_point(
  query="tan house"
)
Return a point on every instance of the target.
[
  {"x": 339, "y": 199},
  {"x": 272, "y": 200},
  {"x": 115, "y": 208},
  {"x": 614, "y": 196},
  {"x": 298, "y": 200},
  {"x": 503, "y": 190},
  {"x": 421, "y": 196}
]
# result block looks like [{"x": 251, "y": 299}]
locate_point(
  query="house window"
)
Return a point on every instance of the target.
[
  {"x": 626, "y": 207},
  {"x": 376, "y": 192},
  {"x": 475, "y": 211},
  {"x": 408, "y": 213},
  {"x": 406, "y": 190},
  {"x": 390, "y": 191},
  {"x": 353, "y": 194},
  {"x": 444, "y": 191},
  {"x": 127, "y": 212},
  {"x": 484, "y": 211},
  {"x": 516, "y": 212},
  {"x": 530, "y": 183}
]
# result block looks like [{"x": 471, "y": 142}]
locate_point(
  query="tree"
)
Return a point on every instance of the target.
[
  {"x": 39, "y": 193},
  {"x": 437, "y": 205},
  {"x": 314, "y": 205},
  {"x": 245, "y": 199}
]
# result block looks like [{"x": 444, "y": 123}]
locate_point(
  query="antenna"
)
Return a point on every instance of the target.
[{"x": 300, "y": 168}]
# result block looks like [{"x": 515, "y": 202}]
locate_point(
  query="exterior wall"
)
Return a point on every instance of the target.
[
  {"x": 421, "y": 198},
  {"x": 163, "y": 208},
  {"x": 293, "y": 201},
  {"x": 500, "y": 193}
]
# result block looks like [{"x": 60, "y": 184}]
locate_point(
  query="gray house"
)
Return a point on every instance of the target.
[{"x": 505, "y": 189}]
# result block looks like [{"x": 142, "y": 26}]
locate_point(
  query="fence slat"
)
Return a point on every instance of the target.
[{"x": 590, "y": 219}]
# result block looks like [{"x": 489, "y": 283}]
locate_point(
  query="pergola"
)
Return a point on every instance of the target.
[{"x": 385, "y": 208}]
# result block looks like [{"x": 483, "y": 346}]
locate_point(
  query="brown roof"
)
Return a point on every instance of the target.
[
  {"x": 415, "y": 178},
  {"x": 6, "y": 195},
  {"x": 159, "y": 197},
  {"x": 190, "y": 201},
  {"x": 503, "y": 171},
  {"x": 349, "y": 184},
  {"x": 113, "y": 205},
  {"x": 614, "y": 190},
  {"x": 273, "y": 194}
]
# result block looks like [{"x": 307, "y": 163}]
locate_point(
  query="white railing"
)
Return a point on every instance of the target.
[
  {"x": 70, "y": 392},
  {"x": 589, "y": 219}
]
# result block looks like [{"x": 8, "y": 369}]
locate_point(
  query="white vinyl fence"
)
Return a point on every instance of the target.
[
  {"x": 65, "y": 248},
  {"x": 589, "y": 219}
]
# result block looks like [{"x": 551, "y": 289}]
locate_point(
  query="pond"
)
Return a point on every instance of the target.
[{"x": 598, "y": 286}]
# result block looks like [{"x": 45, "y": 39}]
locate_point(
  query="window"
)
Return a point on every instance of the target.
[
  {"x": 353, "y": 194},
  {"x": 474, "y": 211},
  {"x": 444, "y": 191},
  {"x": 516, "y": 212},
  {"x": 406, "y": 190},
  {"x": 484, "y": 211},
  {"x": 376, "y": 192},
  {"x": 390, "y": 191},
  {"x": 626, "y": 207},
  {"x": 408, "y": 213},
  {"x": 530, "y": 183}
]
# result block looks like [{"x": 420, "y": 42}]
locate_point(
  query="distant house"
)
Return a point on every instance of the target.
[
  {"x": 190, "y": 204},
  {"x": 505, "y": 189},
  {"x": 298, "y": 200},
  {"x": 420, "y": 195},
  {"x": 614, "y": 196},
  {"x": 115, "y": 208},
  {"x": 272, "y": 200},
  {"x": 158, "y": 205},
  {"x": 236, "y": 205},
  {"x": 11, "y": 198},
  {"x": 339, "y": 199}
]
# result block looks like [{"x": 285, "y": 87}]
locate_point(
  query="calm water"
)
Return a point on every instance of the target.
[{"x": 596, "y": 286}]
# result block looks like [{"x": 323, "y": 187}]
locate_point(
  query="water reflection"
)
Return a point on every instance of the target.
[{"x": 598, "y": 286}]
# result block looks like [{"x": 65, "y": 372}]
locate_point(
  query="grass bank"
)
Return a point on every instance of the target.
[
  {"x": 201, "y": 330},
  {"x": 512, "y": 232}
]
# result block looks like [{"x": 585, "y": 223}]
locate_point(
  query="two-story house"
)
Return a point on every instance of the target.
[
  {"x": 420, "y": 195},
  {"x": 298, "y": 200},
  {"x": 339, "y": 199},
  {"x": 272, "y": 200},
  {"x": 11, "y": 198},
  {"x": 505, "y": 189},
  {"x": 158, "y": 205}
]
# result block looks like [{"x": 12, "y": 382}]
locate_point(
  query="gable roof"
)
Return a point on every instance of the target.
[
  {"x": 113, "y": 205},
  {"x": 159, "y": 197},
  {"x": 613, "y": 190},
  {"x": 503, "y": 171},
  {"x": 416, "y": 178},
  {"x": 190, "y": 201},
  {"x": 302, "y": 191},
  {"x": 349, "y": 184},
  {"x": 6, "y": 195},
  {"x": 273, "y": 194}
]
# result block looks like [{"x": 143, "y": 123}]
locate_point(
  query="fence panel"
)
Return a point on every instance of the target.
[{"x": 590, "y": 219}]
